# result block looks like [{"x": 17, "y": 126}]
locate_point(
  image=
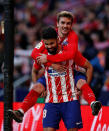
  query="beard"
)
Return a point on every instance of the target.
[{"x": 53, "y": 52}]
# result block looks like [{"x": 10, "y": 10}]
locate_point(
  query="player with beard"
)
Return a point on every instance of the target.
[
  {"x": 69, "y": 40},
  {"x": 61, "y": 101}
]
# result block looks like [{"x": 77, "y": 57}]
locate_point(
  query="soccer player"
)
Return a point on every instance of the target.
[
  {"x": 70, "y": 41},
  {"x": 61, "y": 100}
]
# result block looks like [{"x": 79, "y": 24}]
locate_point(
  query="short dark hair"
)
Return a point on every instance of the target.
[
  {"x": 65, "y": 14},
  {"x": 49, "y": 33}
]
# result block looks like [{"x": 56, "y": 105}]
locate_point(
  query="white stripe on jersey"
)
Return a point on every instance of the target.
[
  {"x": 47, "y": 88},
  {"x": 64, "y": 92},
  {"x": 55, "y": 100},
  {"x": 72, "y": 80}
]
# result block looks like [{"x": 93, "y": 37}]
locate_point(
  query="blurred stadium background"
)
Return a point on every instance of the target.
[{"x": 91, "y": 24}]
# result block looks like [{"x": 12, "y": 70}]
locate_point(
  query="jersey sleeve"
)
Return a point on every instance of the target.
[
  {"x": 68, "y": 52},
  {"x": 36, "y": 66},
  {"x": 38, "y": 49},
  {"x": 79, "y": 59}
]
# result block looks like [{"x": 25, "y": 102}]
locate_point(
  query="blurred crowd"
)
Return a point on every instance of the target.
[{"x": 91, "y": 23}]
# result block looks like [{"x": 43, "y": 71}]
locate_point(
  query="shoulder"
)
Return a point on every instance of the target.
[
  {"x": 40, "y": 45},
  {"x": 72, "y": 33}
]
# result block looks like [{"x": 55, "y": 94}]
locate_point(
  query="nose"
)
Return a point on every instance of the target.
[
  {"x": 65, "y": 25},
  {"x": 49, "y": 46}
]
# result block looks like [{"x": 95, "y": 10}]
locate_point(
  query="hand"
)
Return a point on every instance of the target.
[
  {"x": 59, "y": 67},
  {"x": 43, "y": 94},
  {"x": 77, "y": 91},
  {"x": 42, "y": 59}
]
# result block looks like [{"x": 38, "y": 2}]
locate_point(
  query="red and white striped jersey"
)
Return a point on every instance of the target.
[{"x": 60, "y": 86}]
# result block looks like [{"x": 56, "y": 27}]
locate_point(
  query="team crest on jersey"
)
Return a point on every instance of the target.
[
  {"x": 39, "y": 45},
  {"x": 65, "y": 42}
]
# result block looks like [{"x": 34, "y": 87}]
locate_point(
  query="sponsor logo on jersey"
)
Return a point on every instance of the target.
[
  {"x": 65, "y": 42},
  {"x": 53, "y": 72},
  {"x": 39, "y": 45}
]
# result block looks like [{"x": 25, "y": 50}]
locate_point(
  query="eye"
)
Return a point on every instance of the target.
[
  {"x": 62, "y": 22},
  {"x": 69, "y": 23},
  {"x": 51, "y": 43},
  {"x": 46, "y": 44}
]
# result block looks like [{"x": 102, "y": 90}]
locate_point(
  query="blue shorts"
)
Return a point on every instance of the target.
[
  {"x": 69, "y": 112},
  {"x": 42, "y": 81},
  {"x": 78, "y": 75}
]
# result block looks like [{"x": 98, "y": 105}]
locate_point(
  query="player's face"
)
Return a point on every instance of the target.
[
  {"x": 51, "y": 45},
  {"x": 64, "y": 26}
]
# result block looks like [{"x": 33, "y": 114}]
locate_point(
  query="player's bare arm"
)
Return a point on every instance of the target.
[
  {"x": 80, "y": 60},
  {"x": 34, "y": 74},
  {"x": 89, "y": 71}
]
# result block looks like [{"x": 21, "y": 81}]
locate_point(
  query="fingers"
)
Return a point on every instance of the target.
[
  {"x": 77, "y": 91},
  {"x": 41, "y": 59},
  {"x": 59, "y": 68},
  {"x": 43, "y": 94},
  {"x": 62, "y": 68},
  {"x": 38, "y": 60}
]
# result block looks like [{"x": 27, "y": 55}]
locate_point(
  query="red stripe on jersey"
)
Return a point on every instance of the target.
[
  {"x": 60, "y": 85},
  {"x": 58, "y": 89},
  {"x": 69, "y": 92}
]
